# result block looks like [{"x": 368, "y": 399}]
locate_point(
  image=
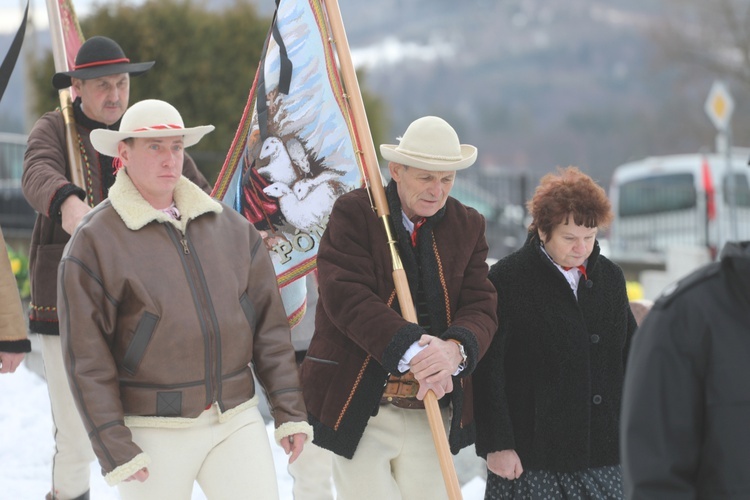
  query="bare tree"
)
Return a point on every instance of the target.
[{"x": 713, "y": 35}]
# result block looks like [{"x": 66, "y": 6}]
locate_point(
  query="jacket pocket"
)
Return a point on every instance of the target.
[
  {"x": 137, "y": 348},
  {"x": 324, "y": 361},
  {"x": 249, "y": 310},
  {"x": 43, "y": 263}
]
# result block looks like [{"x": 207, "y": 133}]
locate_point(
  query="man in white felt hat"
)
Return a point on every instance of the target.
[
  {"x": 166, "y": 297},
  {"x": 368, "y": 369},
  {"x": 101, "y": 79}
]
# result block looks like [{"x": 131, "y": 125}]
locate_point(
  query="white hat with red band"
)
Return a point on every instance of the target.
[
  {"x": 430, "y": 143},
  {"x": 148, "y": 118}
]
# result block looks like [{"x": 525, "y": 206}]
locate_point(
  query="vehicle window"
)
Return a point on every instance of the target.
[
  {"x": 738, "y": 183},
  {"x": 656, "y": 194}
]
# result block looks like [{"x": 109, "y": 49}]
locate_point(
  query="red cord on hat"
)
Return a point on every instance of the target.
[{"x": 102, "y": 63}]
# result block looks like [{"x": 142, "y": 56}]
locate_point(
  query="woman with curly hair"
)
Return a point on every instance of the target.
[{"x": 547, "y": 396}]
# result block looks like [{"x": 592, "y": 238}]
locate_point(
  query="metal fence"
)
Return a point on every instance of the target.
[
  {"x": 16, "y": 216},
  {"x": 500, "y": 195},
  {"x": 12, "y": 147}
]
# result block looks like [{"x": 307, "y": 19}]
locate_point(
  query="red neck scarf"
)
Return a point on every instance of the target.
[
  {"x": 581, "y": 268},
  {"x": 417, "y": 225}
]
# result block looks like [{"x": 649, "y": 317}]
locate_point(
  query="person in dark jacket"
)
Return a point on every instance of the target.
[
  {"x": 686, "y": 403},
  {"x": 367, "y": 368},
  {"x": 101, "y": 79},
  {"x": 547, "y": 394}
]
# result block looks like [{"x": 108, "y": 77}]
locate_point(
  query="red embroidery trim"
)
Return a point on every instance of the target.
[{"x": 165, "y": 126}]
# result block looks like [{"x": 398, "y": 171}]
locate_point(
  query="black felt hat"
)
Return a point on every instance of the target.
[{"x": 99, "y": 56}]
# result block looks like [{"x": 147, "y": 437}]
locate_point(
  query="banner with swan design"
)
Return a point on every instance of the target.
[{"x": 295, "y": 150}]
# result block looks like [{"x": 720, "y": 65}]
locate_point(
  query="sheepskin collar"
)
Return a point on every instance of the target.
[{"x": 136, "y": 212}]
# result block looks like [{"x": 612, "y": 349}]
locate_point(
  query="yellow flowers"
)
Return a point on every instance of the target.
[
  {"x": 19, "y": 264},
  {"x": 16, "y": 265},
  {"x": 634, "y": 289}
]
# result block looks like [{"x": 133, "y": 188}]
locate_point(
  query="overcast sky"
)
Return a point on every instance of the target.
[{"x": 11, "y": 11}]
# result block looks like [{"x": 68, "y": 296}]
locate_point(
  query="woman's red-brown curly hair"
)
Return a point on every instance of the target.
[{"x": 568, "y": 192}]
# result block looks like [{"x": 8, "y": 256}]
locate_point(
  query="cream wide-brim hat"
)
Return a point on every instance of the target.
[
  {"x": 148, "y": 118},
  {"x": 430, "y": 143}
]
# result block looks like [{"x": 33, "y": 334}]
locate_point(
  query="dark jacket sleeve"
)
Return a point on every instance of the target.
[
  {"x": 475, "y": 320},
  {"x": 350, "y": 275},
  {"x": 661, "y": 412},
  {"x": 494, "y": 427},
  {"x": 45, "y": 182}
]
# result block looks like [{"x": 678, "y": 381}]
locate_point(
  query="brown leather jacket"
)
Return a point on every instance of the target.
[
  {"x": 46, "y": 184},
  {"x": 12, "y": 325},
  {"x": 162, "y": 317}
]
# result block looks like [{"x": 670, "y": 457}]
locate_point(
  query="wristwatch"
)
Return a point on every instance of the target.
[{"x": 462, "y": 351}]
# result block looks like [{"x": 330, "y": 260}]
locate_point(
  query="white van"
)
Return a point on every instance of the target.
[{"x": 679, "y": 200}]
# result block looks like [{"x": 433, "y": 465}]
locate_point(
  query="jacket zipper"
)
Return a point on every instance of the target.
[{"x": 202, "y": 302}]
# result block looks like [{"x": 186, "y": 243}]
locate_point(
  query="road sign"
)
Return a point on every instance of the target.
[{"x": 719, "y": 105}]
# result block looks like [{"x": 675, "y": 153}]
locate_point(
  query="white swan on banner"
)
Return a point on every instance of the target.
[
  {"x": 306, "y": 213},
  {"x": 280, "y": 167}
]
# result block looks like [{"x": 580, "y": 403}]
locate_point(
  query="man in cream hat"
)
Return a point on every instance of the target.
[
  {"x": 166, "y": 298},
  {"x": 367, "y": 369},
  {"x": 101, "y": 79}
]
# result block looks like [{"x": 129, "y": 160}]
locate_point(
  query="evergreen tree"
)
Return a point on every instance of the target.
[{"x": 206, "y": 61}]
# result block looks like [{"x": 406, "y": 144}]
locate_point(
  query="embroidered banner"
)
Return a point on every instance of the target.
[
  {"x": 294, "y": 152},
  {"x": 71, "y": 31},
  {"x": 66, "y": 34}
]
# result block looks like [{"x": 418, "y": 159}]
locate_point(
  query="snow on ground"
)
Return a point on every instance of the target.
[{"x": 26, "y": 446}]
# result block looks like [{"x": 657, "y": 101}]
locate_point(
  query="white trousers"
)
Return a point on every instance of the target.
[
  {"x": 312, "y": 473},
  {"x": 73, "y": 454},
  {"x": 230, "y": 460},
  {"x": 395, "y": 459}
]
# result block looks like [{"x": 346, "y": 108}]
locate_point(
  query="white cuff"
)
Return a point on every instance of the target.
[{"x": 405, "y": 361}]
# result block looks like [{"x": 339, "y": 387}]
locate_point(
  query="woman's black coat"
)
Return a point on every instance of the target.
[{"x": 550, "y": 385}]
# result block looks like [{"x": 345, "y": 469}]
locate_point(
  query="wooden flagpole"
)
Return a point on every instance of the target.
[
  {"x": 66, "y": 103},
  {"x": 377, "y": 191}
]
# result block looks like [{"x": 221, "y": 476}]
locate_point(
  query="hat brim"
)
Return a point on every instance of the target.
[
  {"x": 105, "y": 141},
  {"x": 468, "y": 156},
  {"x": 62, "y": 80}
]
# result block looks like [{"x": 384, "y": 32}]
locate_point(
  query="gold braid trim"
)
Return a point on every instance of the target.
[
  {"x": 42, "y": 308},
  {"x": 391, "y": 298},
  {"x": 448, "y": 317},
  {"x": 359, "y": 375},
  {"x": 351, "y": 393},
  {"x": 89, "y": 181},
  {"x": 447, "y": 308}
]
